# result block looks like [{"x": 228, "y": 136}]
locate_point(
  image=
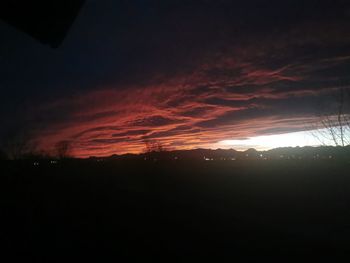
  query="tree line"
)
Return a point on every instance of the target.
[{"x": 18, "y": 146}]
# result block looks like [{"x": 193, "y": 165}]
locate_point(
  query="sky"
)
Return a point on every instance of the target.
[
  {"x": 189, "y": 74},
  {"x": 314, "y": 138}
]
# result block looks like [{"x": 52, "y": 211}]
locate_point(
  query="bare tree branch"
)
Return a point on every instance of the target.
[
  {"x": 63, "y": 149},
  {"x": 335, "y": 127}
]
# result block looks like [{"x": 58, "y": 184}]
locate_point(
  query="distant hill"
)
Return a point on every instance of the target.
[{"x": 307, "y": 152}]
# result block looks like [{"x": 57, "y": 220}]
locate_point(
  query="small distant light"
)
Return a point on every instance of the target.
[
  {"x": 261, "y": 155},
  {"x": 175, "y": 158},
  {"x": 35, "y": 163}
]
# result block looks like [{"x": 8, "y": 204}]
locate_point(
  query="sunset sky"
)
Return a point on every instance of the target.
[{"x": 190, "y": 74}]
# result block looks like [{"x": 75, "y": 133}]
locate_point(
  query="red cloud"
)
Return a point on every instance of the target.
[{"x": 229, "y": 95}]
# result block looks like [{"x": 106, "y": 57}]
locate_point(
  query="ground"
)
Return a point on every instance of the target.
[{"x": 175, "y": 211}]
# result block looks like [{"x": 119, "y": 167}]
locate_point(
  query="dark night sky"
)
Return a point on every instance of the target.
[{"x": 187, "y": 73}]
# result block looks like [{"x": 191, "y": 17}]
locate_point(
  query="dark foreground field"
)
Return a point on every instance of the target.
[{"x": 175, "y": 211}]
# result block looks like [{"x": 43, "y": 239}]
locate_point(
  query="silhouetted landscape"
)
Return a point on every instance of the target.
[{"x": 131, "y": 208}]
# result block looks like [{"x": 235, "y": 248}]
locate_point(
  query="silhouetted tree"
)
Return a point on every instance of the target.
[
  {"x": 18, "y": 145},
  {"x": 153, "y": 146},
  {"x": 334, "y": 126},
  {"x": 154, "y": 149},
  {"x": 63, "y": 149}
]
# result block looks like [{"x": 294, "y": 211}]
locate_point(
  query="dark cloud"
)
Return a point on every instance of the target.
[
  {"x": 154, "y": 121},
  {"x": 130, "y": 133},
  {"x": 230, "y": 103},
  {"x": 279, "y": 130},
  {"x": 256, "y": 108},
  {"x": 171, "y": 133},
  {"x": 197, "y": 112},
  {"x": 107, "y": 141}
]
